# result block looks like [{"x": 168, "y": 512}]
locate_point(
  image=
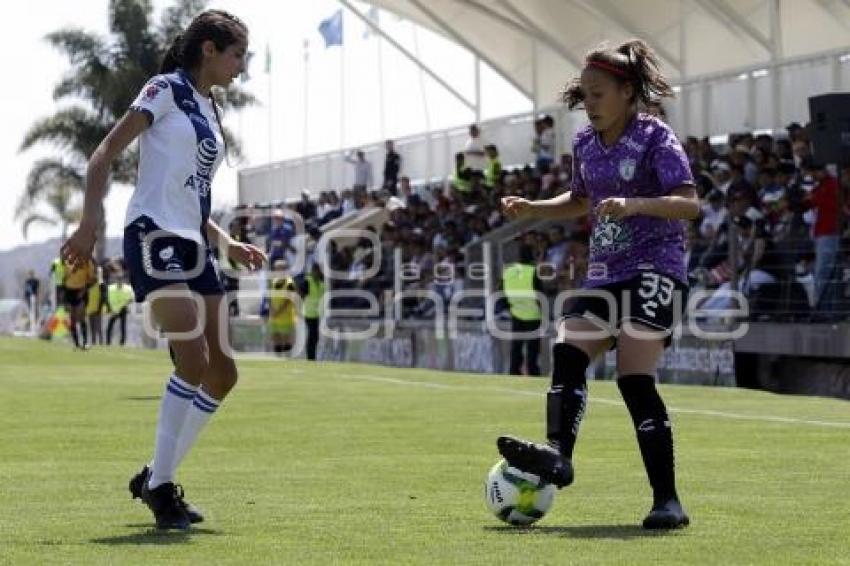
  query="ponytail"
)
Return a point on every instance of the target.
[
  {"x": 650, "y": 84},
  {"x": 632, "y": 62},
  {"x": 173, "y": 57}
]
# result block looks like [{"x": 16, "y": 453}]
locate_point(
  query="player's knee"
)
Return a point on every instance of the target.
[{"x": 190, "y": 362}]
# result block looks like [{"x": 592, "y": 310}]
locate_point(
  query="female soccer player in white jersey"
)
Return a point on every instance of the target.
[
  {"x": 632, "y": 176},
  {"x": 167, "y": 234}
]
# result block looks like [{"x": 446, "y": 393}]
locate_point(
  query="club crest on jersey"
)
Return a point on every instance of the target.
[
  {"x": 151, "y": 91},
  {"x": 627, "y": 169},
  {"x": 153, "y": 87}
]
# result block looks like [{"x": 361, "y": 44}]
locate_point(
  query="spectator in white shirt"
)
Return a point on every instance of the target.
[
  {"x": 713, "y": 214},
  {"x": 722, "y": 174},
  {"x": 475, "y": 158},
  {"x": 544, "y": 143},
  {"x": 362, "y": 170},
  {"x": 347, "y": 202},
  {"x": 405, "y": 190}
]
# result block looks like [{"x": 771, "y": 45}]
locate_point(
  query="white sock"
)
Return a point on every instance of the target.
[
  {"x": 203, "y": 407},
  {"x": 176, "y": 402}
]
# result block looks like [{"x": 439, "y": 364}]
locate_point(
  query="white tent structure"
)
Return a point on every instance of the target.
[
  {"x": 535, "y": 44},
  {"x": 738, "y": 65}
]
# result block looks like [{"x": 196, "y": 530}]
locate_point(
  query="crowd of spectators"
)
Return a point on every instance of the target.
[{"x": 784, "y": 210}]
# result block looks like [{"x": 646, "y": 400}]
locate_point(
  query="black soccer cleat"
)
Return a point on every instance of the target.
[
  {"x": 141, "y": 479},
  {"x": 542, "y": 460},
  {"x": 667, "y": 515},
  {"x": 165, "y": 502}
]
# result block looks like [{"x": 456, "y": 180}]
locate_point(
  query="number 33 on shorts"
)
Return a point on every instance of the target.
[{"x": 655, "y": 290}]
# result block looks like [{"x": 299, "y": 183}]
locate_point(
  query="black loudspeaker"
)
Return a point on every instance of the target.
[{"x": 830, "y": 129}]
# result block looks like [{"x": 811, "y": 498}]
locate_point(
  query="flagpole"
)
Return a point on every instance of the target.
[
  {"x": 421, "y": 80},
  {"x": 306, "y": 95},
  {"x": 381, "y": 87},
  {"x": 342, "y": 95},
  {"x": 270, "y": 100}
]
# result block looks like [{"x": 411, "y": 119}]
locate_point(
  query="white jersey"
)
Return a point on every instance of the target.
[
  {"x": 474, "y": 158},
  {"x": 178, "y": 155}
]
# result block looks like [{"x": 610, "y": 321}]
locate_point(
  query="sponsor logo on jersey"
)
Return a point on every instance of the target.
[
  {"x": 199, "y": 184},
  {"x": 205, "y": 158},
  {"x": 609, "y": 236},
  {"x": 189, "y": 103},
  {"x": 166, "y": 253}
]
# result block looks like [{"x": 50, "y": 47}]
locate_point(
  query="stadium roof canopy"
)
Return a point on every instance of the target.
[{"x": 537, "y": 44}]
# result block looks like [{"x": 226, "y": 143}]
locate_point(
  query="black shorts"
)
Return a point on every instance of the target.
[
  {"x": 652, "y": 299},
  {"x": 156, "y": 259},
  {"x": 74, "y": 297}
]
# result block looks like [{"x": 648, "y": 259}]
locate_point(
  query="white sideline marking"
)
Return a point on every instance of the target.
[{"x": 602, "y": 401}]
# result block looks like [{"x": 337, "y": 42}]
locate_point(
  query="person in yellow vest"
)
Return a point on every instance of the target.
[
  {"x": 95, "y": 305},
  {"x": 519, "y": 283},
  {"x": 57, "y": 275},
  {"x": 493, "y": 170},
  {"x": 119, "y": 295},
  {"x": 313, "y": 292},
  {"x": 76, "y": 283},
  {"x": 282, "y": 310},
  {"x": 462, "y": 177}
]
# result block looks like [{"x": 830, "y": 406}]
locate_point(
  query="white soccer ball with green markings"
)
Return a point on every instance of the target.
[{"x": 516, "y": 497}]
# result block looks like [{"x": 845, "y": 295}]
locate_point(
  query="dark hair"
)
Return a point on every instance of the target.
[
  {"x": 526, "y": 254},
  {"x": 220, "y": 27},
  {"x": 632, "y": 62}
]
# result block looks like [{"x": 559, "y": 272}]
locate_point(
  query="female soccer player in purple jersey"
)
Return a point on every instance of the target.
[
  {"x": 632, "y": 176},
  {"x": 166, "y": 239}
]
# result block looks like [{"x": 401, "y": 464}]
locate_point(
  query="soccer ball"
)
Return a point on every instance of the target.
[{"x": 516, "y": 497}]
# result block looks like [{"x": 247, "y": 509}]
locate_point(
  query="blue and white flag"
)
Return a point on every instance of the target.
[{"x": 331, "y": 29}]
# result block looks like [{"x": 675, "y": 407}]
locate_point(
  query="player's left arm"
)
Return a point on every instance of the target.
[
  {"x": 248, "y": 255},
  {"x": 681, "y": 204}
]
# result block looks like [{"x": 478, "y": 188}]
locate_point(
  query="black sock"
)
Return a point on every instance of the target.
[
  {"x": 84, "y": 327},
  {"x": 278, "y": 349},
  {"x": 654, "y": 433},
  {"x": 567, "y": 397},
  {"x": 74, "y": 334}
]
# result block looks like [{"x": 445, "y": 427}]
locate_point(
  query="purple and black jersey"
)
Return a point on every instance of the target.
[{"x": 647, "y": 161}]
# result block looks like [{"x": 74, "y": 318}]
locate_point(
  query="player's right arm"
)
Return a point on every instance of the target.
[
  {"x": 78, "y": 247},
  {"x": 563, "y": 206}
]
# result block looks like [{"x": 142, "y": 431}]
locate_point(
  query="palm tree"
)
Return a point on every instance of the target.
[
  {"x": 106, "y": 75},
  {"x": 53, "y": 196}
]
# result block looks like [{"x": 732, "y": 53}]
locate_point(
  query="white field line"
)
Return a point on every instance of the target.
[{"x": 601, "y": 401}]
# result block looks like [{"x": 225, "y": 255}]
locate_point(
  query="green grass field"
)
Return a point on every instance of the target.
[{"x": 351, "y": 464}]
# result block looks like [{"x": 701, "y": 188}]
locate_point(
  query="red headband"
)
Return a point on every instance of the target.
[{"x": 609, "y": 67}]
